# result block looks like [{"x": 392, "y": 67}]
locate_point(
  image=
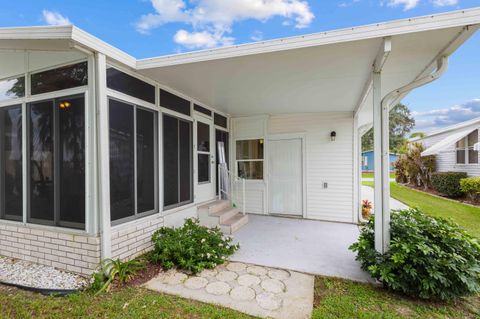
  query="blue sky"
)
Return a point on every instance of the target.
[{"x": 146, "y": 28}]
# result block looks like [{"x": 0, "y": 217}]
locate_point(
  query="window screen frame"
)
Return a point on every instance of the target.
[
  {"x": 56, "y": 169},
  {"x": 166, "y": 208},
  {"x": 138, "y": 215}
]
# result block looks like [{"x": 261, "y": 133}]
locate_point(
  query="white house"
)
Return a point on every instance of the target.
[
  {"x": 456, "y": 147},
  {"x": 99, "y": 149}
]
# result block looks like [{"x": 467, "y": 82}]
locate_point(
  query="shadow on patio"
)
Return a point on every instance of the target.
[{"x": 314, "y": 247}]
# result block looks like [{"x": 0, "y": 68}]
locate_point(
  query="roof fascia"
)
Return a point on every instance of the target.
[{"x": 419, "y": 24}]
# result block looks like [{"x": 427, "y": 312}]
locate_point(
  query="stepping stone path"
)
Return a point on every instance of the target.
[{"x": 256, "y": 290}]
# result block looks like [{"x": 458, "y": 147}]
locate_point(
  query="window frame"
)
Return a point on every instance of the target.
[
  {"x": 56, "y": 175},
  {"x": 466, "y": 149},
  {"x": 173, "y": 207},
  {"x": 237, "y": 161},
  {"x": 145, "y": 107}
]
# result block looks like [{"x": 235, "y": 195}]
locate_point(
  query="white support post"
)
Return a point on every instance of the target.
[
  {"x": 381, "y": 169},
  {"x": 103, "y": 156}
]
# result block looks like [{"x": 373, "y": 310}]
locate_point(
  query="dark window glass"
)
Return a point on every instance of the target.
[
  {"x": 203, "y": 168},
  {"x": 42, "y": 161},
  {"x": 11, "y": 206},
  {"x": 250, "y": 169},
  {"x": 185, "y": 146},
  {"x": 174, "y": 102},
  {"x": 203, "y": 137},
  {"x": 145, "y": 161},
  {"x": 472, "y": 154},
  {"x": 122, "y": 82},
  {"x": 121, "y": 160},
  {"x": 460, "y": 156},
  {"x": 250, "y": 149},
  {"x": 177, "y": 161},
  {"x": 220, "y": 120},
  {"x": 13, "y": 88},
  {"x": 170, "y": 161},
  {"x": 59, "y": 79},
  {"x": 72, "y": 159},
  {"x": 201, "y": 109}
]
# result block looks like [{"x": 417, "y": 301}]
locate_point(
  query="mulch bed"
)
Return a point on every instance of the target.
[
  {"x": 151, "y": 271},
  {"x": 463, "y": 199}
]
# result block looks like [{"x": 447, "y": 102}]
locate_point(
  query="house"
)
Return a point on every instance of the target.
[
  {"x": 455, "y": 147},
  {"x": 100, "y": 149},
  {"x": 367, "y": 161}
]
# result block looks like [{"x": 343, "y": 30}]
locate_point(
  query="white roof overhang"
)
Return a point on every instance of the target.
[
  {"x": 322, "y": 72},
  {"x": 447, "y": 142}
]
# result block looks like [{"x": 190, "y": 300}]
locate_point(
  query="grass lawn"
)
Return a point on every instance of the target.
[
  {"x": 334, "y": 298},
  {"x": 465, "y": 215},
  {"x": 370, "y": 175}
]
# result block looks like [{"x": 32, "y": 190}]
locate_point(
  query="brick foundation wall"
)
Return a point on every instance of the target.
[
  {"x": 133, "y": 239},
  {"x": 63, "y": 250}
]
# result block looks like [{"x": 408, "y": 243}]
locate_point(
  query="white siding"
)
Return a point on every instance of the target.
[
  {"x": 446, "y": 159},
  {"x": 326, "y": 161}
]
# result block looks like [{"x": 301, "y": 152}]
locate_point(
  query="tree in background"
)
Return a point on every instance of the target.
[{"x": 401, "y": 123}]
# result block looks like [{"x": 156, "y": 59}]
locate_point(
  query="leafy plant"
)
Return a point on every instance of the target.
[
  {"x": 415, "y": 168},
  {"x": 191, "y": 247},
  {"x": 431, "y": 258},
  {"x": 471, "y": 187},
  {"x": 110, "y": 269},
  {"x": 448, "y": 183}
]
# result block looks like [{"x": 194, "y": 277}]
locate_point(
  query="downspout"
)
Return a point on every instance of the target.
[{"x": 386, "y": 102}]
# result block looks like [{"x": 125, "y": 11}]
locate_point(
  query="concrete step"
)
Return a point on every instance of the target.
[
  {"x": 225, "y": 214},
  {"x": 215, "y": 206},
  {"x": 234, "y": 223}
]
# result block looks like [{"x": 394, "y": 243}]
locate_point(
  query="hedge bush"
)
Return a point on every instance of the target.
[
  {"x": 430, "y": 258},
  {"x": 191, "y": 247},
  {"x": 448, "y": 183},
  {"x": 471, "y": 187}
]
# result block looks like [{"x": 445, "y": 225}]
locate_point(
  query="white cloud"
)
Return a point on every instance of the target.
[
  {"x": 203, "y": 39},
  {"x": 444, "y": 3},
  {"x": 54, "y": 18},
  {"x": 406, "y": 4},
  {"x": 217, "y": 17},
  {"x": 257, "y": 36},
  {"x": 436, "y": 118}
]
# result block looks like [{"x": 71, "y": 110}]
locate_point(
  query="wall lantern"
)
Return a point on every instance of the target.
[{"x": 333, "y": 134}]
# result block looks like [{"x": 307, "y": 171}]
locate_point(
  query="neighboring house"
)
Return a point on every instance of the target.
[
  {"x": 99, "y": 149},
  {"x": 368, "y": 161},
  {"x": 455, "y": 147}
]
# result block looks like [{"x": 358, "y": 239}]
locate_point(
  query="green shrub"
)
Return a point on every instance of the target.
[
  {"x": 429, "y": 257},
  {"x": 471, "y": 187},
  {"x": 448, "y": 183},
  {"x": 191, "y": 247},
  {"x": 110, "y": 270}
]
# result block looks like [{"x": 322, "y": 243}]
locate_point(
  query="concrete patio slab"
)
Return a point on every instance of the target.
[
  {"x": 314, "y": 247},
  {"x": 258, "y": 291}
]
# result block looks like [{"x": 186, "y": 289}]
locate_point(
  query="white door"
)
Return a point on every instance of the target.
[
  {"x": 285, "y": 176},
  {"x": 204, "y": 161}
]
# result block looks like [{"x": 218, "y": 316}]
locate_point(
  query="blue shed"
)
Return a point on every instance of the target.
[{"x": 367, "y": 161}]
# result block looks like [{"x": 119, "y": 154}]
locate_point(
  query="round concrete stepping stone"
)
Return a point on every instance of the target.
[
  {"x": 226, "y": 276},
  {"x": 195, "y": 282},
  {"x": 174, "y": 278},
  {"x": 278, "y": 274},
  {"x": 208, "y": 273},
  {"x": 273, "y": 285},
  {"x": 257, "y": 270},
  {"x": 268, "y": 301},
  {"x": 248, "y": 280},
  {"x": 242, "y": 293},
  {"x": 236, "y": 267},
  {"x": 218, "y": 288}
]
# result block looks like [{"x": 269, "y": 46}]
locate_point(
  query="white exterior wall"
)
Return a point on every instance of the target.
[
  {"x": 446, "y": 159},
  {"x": 326, "y": 161}
]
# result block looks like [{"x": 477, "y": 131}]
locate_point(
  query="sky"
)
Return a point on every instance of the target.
[{"x": 147, "y": 28}]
